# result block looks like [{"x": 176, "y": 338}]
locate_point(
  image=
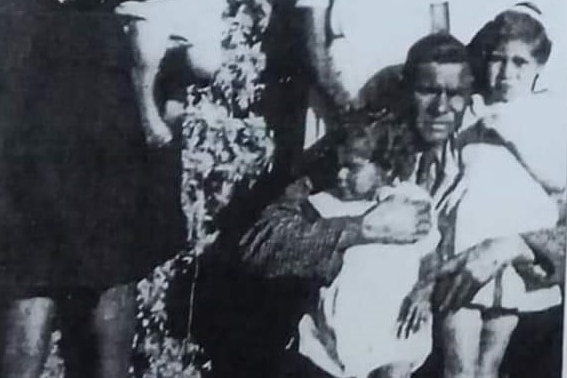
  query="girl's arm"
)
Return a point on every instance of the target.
[{"x": 147, "y": 59}]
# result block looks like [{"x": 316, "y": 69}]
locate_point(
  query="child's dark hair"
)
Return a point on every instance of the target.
[
  {"x": 375, "y": 140},
  {"x": 509, "y": 25}
]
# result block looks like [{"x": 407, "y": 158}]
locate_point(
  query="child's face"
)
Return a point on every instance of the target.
[
  {"x": 512, "y": 70},
  {"x": 358, "y": 177}
]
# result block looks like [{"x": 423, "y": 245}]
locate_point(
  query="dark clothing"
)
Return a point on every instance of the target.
[
  {"x": 84, "y": 201},
  {"x": 295, "y": 365},
  {"x": 535, "y": 349},
  {"x": 174, "y": 76},
  {"x": 291, "y": 239}
]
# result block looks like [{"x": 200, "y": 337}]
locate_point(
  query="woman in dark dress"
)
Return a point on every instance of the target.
[{"x": 88, "y": 208}]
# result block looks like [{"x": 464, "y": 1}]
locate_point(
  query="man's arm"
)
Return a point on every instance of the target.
[
  {"x": 463, "y": 276},
  {"x": 549, "y": 248},
  {"x": 292, "y": 239}
]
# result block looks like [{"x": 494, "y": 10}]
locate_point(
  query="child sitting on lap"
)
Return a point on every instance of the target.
[{"x": 354, "y": 330}]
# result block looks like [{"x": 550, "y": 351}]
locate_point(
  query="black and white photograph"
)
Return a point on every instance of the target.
[{"x": 282, "y": 188}]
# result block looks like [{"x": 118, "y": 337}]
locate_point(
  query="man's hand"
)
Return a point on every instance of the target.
[
  {"x": 465, "y": 274},
  {"x": 397, "y": 222},
  {"x": 415, "y": 310}
]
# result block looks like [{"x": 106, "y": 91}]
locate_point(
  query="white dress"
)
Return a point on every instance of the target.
[
  {"x": 361, "y": 306},
  {"x": 503, "y": 199}
]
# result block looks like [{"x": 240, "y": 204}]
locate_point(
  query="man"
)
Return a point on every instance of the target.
[{"x": 292, "y": 243}]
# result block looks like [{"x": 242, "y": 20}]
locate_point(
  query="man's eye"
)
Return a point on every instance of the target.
[
  {"x": 519, "y": 62},
  {"x": 455, "y": 93},
  {"x": 427, "y": 90}
]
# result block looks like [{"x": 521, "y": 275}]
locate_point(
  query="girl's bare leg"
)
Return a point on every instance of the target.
[
  {"x": 495, "y": 336},
  {"x": 114, "y": 324},
  {"x": 397, "y": 370},
  {"x": 27, "y": 330},
  {"x": 460, "y": 338}
]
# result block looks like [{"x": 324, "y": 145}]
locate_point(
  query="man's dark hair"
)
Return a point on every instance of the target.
[{"x": 434, "y": 48}]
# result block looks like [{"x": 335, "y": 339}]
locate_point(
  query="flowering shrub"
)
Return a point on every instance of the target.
[{"x": 225, "y": 145}]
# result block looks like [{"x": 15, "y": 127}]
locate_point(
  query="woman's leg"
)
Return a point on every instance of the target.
[
  {"x": 27, "y": 326},
  {"x": 114, "y": 320},
  {"x": 460, "y": 341},
  {"x": 495, "y": 337}
]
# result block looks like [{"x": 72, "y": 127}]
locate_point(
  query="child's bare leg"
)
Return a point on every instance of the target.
[
  {"x": 27, "y": 329},
  {"x": 495, "y": 336},
  {"x": 114, "y": 324},
  {"x": 397, "y": 370},
  {"x": 460, "y": 338}
]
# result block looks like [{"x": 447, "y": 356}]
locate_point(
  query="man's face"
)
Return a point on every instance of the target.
[
  {"x": 441, "y": 92},
  {"x": 512, "y": 70}
]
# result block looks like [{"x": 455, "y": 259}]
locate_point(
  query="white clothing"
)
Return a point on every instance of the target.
[
  {"x": 361, "y": 306},
  {"x": 503, "y": 199}
]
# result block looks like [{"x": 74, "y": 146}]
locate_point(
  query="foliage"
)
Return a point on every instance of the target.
[{"x": 225, "y": 145}]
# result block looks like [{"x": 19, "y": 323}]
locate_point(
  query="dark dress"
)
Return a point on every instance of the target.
[{"x": 84, "y": 202}]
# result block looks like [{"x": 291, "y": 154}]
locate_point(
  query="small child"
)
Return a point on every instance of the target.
[{"x": 353, "y": 332}]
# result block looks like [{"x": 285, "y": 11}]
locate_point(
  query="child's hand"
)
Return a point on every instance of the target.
[
  {"x": 397, "y": 222},
  {"x": 415, "y": 310}
]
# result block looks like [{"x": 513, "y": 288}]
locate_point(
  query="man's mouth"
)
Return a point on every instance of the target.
[{"x": 440, "y": 126}]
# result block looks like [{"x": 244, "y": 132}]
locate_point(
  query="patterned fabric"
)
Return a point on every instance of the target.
[{"x": 291, "y": 239}]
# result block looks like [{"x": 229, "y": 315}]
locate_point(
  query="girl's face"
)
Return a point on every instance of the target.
[
  {"x": 512, "y": 70},
  {"x": 358, "y": 177}
]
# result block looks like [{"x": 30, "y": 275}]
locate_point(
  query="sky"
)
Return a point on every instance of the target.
[{"x": 381, "y": 32}]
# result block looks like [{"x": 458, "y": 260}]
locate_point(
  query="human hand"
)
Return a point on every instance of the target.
[
  {"x": 157, "y": 133},
  {"x": 415, "y": 310},
  {"x": 397, "y": 221},
  {"x": 535, "y": 277},
  {"x": 464, "y": 275}
]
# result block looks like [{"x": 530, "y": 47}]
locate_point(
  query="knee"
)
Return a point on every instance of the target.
[
  {"x": 460, "y": 368},
  {"x": 115, "y": 314},
  {"x": 27, "y": 326},
  {"x": 460, "y": 340}
]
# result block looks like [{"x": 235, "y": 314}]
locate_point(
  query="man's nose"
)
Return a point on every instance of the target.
[
  {"x": 342, "y": 174},
  {"x": 441, "y": 104}
]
